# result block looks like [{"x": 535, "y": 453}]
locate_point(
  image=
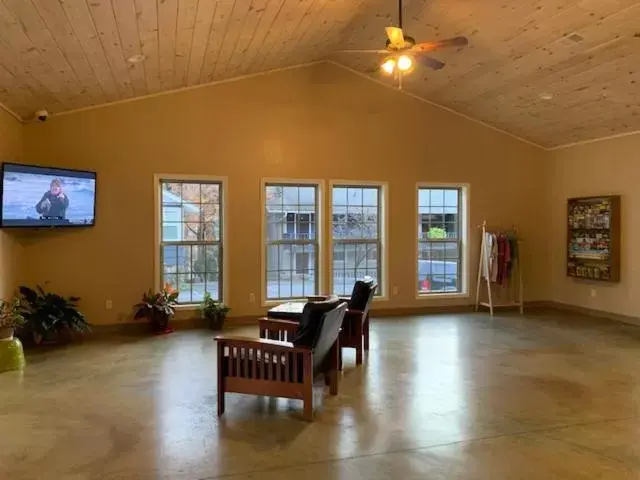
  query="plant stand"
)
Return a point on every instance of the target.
[{"x": 11, "y": 354}]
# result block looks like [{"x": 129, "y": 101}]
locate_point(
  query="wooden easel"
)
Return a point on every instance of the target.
[{"x": 515, "y": 295}]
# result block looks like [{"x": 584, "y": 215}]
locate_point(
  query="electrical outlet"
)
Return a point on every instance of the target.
[
  {"x": 108, "y": 304},
  {"x": 252, "y": 298},
  {"x": 594, "y": 292},
  {"x": 395, "y": 290}
]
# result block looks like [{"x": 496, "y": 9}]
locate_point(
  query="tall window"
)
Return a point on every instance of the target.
[
  {"x": 440, "y": 240},
  {"x": 356, "y": 236},
  {"x": 291, "y": 241},
  {"x": 191, "y": 238}
]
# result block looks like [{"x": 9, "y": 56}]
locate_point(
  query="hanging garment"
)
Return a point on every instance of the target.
[
  {"x": 506, "y": 268},
  {"x": 494, "y": 258},
  {"x": 486, "y": 260}
]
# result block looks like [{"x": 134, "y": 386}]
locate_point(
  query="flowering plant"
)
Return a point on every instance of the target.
[
  {"x": 11, "y": 316},
  {"x": 158, "y": 307}
]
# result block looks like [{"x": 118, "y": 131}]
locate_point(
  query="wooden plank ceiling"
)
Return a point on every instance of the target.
[{"x": 67, "y": 54}]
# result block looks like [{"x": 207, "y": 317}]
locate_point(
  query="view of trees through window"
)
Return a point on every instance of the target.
[
  {"x": 291, "y": 241},
  {"x": 439, "y": 240},
  {"x": 356, "y": 236},
  {"x": 191, "y": 244}
]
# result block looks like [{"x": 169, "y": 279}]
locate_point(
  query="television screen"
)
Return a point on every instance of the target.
[{"x": 47, "y": 197}]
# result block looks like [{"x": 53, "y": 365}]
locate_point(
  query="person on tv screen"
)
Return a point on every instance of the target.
[{"x": 53, "y": 203}]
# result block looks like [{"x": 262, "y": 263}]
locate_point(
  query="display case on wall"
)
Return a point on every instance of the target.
[{"x": 593, "y": 238}]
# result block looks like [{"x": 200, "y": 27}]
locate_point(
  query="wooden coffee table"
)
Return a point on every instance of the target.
[{"x": 287, "y": 311}]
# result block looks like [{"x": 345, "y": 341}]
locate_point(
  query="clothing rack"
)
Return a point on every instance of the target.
[{"x": 514, "y": 291}]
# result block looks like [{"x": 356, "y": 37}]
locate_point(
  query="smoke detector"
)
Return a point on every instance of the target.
[{"x": 139, "y": 58}]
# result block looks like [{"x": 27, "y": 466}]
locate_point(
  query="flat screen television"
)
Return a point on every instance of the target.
[{"x": 34, "y": 196}]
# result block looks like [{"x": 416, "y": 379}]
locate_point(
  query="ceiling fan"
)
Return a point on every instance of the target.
[{"x": 402, "y": 52}]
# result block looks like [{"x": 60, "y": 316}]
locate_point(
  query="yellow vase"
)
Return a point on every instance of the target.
[{"x": 11, "y": 354}]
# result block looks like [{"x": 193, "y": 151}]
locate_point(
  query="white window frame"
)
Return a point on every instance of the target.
[
  {"x": 463, "y": 234},
  {"x": 383, "y": 254},
  {"x": 157, "y": 218},
  {"x": 319, "y": 235}
]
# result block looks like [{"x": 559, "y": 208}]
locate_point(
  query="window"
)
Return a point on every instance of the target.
[
  {"x": 440, "y": 240},
  {"x": 191, "y": 238},
  {"x": 291, "y": 240},
  {"x": 356, "y": 216}
]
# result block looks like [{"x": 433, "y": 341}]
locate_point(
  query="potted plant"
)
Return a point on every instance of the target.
[
  {"x": 158, "y": 308},
  {"x": 51, "y": 317},
  {"x": 11, "y": 317},
  {"x": 213, "y": 312}
]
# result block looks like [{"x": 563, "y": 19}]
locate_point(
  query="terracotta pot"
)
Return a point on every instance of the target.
[{"x": 6, "y": 333}]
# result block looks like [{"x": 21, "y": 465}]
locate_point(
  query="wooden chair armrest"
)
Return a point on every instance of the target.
[
  {"x": 249, "y": 342},
  {"x": 277, "y": 323},
  {"x": 277, "y": 329},
  {"x": 316, "y": 298},
  {"x": 319, "y": 298}
]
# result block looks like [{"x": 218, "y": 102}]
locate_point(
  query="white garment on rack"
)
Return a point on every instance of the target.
[{"x": 486, "y": 261}]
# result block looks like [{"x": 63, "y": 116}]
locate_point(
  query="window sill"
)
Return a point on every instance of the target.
[
  {"x": 187, "y": 307},
  {"x": 426, "y": 296}
]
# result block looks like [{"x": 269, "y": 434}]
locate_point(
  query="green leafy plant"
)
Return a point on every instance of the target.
[
  {"x": 437, "y": 232},
  {"x": 214, "y": 312},
  {"x": 11, "y": 316},
  {"x": 158, "y": 307},
  {"x": 48, "y": 314}
]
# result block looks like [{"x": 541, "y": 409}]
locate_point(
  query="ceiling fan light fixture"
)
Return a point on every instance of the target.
[
  {"x": 388, "y": 66},
  {"x": 404, "y": 63}
]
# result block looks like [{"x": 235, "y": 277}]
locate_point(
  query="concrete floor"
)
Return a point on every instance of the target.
[{"x": 440, "y": 397}]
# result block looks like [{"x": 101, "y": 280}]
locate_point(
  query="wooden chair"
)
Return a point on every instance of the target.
[
  {"x": 355, "y": 326},
  {"x": 278, "y": 368}
]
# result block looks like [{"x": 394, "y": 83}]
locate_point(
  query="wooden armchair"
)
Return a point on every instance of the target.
[
  {"x": 355, "y": 326},
  {"x": 280, "y": 368}
]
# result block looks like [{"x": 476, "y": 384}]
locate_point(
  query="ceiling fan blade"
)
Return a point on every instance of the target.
[
  {"x": 396, "y": 37},
  {"x": 449, "y": 42},
  {"x": 430, "y": 62},
  {"x": 362, "y": 51}
]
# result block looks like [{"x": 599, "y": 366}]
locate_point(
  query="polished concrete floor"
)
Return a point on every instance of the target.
[{"x": 547, "y": 396}]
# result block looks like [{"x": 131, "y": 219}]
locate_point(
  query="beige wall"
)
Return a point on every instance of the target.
[
  {"x": 604, "y": 167},
  {"x": 320, "y": 122},
  {"x": 10, "y": 250}
]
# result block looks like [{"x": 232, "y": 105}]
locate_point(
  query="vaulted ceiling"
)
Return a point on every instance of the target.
[{"x": 67, "y": 54}]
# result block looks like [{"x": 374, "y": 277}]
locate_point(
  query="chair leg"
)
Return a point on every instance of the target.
[
  {"x": 359, "y": 354},
  {"x": 308, "y": 404},
  {"x": 333, "y": 386},
  {"x": 220, "y": 402},
  {"x": 340, "y": 358},
  {"x": 221, "y": 373},
  {"x": 366, "y": 333},
  {"x": 359, "y": 335}
]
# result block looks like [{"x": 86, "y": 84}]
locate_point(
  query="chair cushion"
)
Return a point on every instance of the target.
[
  {"x": 311, "y": 321},
  {"x": 360, "y": 295}
]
